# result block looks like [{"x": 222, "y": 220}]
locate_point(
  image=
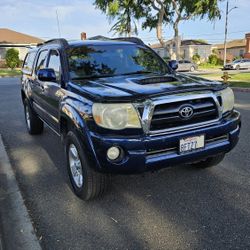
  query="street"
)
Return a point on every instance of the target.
[{"x": 176, "y": 208}]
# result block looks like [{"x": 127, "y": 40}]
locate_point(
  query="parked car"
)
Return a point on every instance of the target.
[
  {"x": 238, "y": 64},
  {"x": 120, "y": 109},
  {"x": 185, "y": 65}
]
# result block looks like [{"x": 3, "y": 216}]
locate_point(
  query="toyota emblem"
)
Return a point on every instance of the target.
[{"x": 186, "y": 112}]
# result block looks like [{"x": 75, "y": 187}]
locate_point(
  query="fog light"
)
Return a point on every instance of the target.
[{"x": 113, "y": 153}]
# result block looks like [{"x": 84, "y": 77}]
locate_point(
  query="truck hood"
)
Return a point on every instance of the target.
[{"x": 136, "y": 87}]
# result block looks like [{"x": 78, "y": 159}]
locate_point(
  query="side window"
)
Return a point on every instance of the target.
[
  {"x": 41, "y": 60},
  {"x": 55, "y": 63},
  {"x": 187, "y": 61},
  {"x": 29, "y": 61}
]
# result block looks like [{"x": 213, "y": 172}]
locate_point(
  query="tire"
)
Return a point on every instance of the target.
[
  {"x": 210, "y": 162},
  {"x": 237, "y": 67},
  {"x": 192, "y": 69},
  {"x": 33, "y": 123},
  {"x": 92, "y": 184}
]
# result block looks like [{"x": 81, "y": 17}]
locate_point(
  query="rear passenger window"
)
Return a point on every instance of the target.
[
  {"x": 28, "y": 63},
  {"x": 41, "y": 60},
  {"x": 54, "y": 63}
]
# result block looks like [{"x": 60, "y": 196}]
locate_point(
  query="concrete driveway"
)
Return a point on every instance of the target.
[{"x": 176, "y": 208}]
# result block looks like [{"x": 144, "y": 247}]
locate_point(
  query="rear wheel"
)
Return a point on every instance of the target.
[
  {"x": 192, "y": 68},
  {"x": 33, "y": 123},
  {"x": 87, "y": 183},
  {"x": 210, "y": 162}
]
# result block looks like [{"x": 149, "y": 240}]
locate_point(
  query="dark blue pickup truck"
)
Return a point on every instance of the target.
[{"x": 120, "y": 109}]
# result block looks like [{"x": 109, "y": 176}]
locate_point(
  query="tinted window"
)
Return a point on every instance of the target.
[
  {"x": 41, "y": 60},
  {"x": 29, "y": 61},
  {"x": 187, "y": 61},
  {"x": 54, "y": 63},
  {"x": 110, "y": 60}
]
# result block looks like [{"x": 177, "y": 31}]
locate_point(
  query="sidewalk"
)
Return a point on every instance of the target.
[{"x": 16, "y": 229}]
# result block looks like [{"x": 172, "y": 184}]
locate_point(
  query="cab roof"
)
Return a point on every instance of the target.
[{"x": 98, "y": 42}]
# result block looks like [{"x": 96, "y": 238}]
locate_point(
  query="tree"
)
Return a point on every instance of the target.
[
  {"x": 175, "y": 11},
  {"x": 158, "y": 20},
  {"x": 213, "y": 59},
  {"x": 196, "y": 58},
  {"x": 156, "y": 14},
  {"x": 183, "y": 10},
  {"x": 125, "y": 12},
  {"x": 12, "y": 58}
]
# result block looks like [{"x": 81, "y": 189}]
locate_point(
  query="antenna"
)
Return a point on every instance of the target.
[{"x": 58, "y": 25}]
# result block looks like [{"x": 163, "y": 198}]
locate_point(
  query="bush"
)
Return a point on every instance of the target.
[
  {"x": 220, "y": 61},
  {"x": 196, "y": 58},
  {"x": 213, "y": 59},
  {"x": 12, "y": 58}
]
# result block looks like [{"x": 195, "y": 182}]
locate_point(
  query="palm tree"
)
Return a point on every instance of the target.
[{"x": 125, "y": 12}]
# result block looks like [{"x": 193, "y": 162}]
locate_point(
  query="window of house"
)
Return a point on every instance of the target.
[{"x": 241, "y": 52}]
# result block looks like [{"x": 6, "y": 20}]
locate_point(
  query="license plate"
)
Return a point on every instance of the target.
[{"x": 191, "y": 143}]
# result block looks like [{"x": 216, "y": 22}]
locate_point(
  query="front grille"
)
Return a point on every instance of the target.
[{"x": 167, "y": 116}]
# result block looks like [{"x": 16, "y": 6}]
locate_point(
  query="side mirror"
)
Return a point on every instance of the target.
[
  {"x": 173, "y": 64},
  {"x": 46, "y": 75}
]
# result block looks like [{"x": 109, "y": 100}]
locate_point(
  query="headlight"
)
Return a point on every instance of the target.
[
  {"x": 227, "y": 97},
  {"x": 116, "y": 116}
]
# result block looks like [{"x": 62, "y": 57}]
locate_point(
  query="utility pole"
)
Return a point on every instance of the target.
[
  {"x": 58, "y": 25},
  {"x": 226, "y": 24}
]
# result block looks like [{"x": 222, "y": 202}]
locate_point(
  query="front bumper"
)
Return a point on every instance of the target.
[{"x": 147, "y": 153}]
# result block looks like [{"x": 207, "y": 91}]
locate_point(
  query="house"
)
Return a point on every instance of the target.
[
  {"x": 235, "y": 48},
  {"x": 188, "y": 48},
  {"x": 12, "y": 39}
]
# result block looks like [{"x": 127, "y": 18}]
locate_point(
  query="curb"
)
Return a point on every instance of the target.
[
  {"x": 241, "y": 89},
  {"x": 17, "y": 231}
]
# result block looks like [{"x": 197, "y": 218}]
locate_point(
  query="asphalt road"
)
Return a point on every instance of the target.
[{"x": 176, "y": 208}]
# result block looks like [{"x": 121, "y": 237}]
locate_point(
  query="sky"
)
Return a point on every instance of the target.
[{"x": 38, "y": 18}]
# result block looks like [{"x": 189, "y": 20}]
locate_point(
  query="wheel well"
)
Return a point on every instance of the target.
[
  {"x": 23, "y": 95},
  {"x": 64, "y": 126}
]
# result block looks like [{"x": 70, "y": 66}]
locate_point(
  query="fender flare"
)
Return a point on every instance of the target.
[{"x": 75, "y": 119}]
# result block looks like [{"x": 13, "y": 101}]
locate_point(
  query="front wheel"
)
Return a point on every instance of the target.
[
  {"x": 210, "y": 162},
  {"x": 237, "y": 67},
  {"x": 87, "y": 183}
]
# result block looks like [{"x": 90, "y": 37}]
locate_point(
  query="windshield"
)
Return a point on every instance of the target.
[
  {"x": 236, "y": 61},
  {"x": 113, "y": 60}
]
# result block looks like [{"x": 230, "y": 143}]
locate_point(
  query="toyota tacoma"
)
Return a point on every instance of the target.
[{"x": 120, "y": 109}]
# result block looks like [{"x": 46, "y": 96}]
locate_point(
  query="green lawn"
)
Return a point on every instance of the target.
[
  {"x": 236, "y": 80},
  {"x": 9, "y": 72},
  {"x": 205, "y": 66}
]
